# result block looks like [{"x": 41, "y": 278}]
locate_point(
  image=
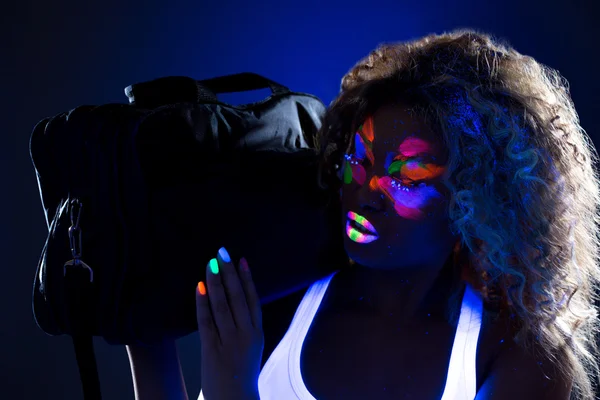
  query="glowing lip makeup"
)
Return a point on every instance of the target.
[{"x": 359, "y": 229}]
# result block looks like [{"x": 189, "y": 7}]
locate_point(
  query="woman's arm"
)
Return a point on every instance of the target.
[{"x": 156, "y": 372}]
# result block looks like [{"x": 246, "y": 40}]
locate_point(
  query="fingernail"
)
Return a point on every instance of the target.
[
  {"x": 201, "y": 288},
  {"x": 214, "y": 266},
  {"x": 224, "y": 255},
  {"x": 244, "y": 265}
]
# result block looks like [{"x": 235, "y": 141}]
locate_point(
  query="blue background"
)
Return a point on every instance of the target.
[{"x": 57, "y": 55}]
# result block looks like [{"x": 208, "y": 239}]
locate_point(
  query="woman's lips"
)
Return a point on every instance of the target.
[
  {"x": 357, "y": 236},
  {"x": 363, "y": 223}
]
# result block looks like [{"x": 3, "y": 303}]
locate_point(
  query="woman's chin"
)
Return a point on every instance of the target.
[{"x": 365, "y": 254}]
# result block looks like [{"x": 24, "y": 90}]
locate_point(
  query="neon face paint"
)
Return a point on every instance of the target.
[
  {"x": 405, "y": 186},
  {"x": 412, "y": 161},
  {"x": 367, "y": 129},
  {"x": 355, "y": 170},
  {"x": 360, "y": 146},
  {"x": 359, "y": 229},
  {"x": 363, "y": 141},
  {"x": 414, "y": 170},
  {"x": 413, "y": 147},
  {"x": 408, "y": 202}
]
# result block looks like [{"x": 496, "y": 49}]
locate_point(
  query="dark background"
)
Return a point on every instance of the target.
[{"x": 58, "y": 55}]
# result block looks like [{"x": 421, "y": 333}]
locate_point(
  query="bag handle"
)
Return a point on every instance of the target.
[
  {"x": 242, "y": 82},
  {"x": 168, "y": 90},
  {"x": 179, "y": 89}
]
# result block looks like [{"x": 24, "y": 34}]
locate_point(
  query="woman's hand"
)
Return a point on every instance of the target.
[{"x": 230, "y": 327}]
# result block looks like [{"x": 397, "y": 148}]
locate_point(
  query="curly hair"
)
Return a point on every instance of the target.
[{"x": 521, "y": 173}]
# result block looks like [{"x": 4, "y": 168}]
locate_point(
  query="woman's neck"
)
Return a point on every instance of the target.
[{"x": 405, "y": 294}]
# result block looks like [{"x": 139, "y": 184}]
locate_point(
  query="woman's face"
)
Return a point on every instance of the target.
[{"x": 394, "y": 203}]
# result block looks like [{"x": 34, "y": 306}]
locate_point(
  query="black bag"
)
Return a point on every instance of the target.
[{"x": 138, "y": 197}]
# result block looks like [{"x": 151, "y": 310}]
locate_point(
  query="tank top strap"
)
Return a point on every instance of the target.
[
  {"x": 461, "y": 381},
  {"x": 285, "y": 359}
]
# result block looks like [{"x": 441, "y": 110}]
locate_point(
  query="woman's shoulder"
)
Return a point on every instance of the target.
[
  {"x": 513, "y": 370},
  {"x": 520, "y": 373}
]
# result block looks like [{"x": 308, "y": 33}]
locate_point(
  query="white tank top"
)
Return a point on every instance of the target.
[{"x": 280, "y": 378}]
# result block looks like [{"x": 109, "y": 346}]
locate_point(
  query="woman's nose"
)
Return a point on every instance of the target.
[{"x": 370, "y": 196}]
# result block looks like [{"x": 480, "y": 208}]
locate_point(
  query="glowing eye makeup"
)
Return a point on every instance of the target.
[
  {"x": 359, "y": 145},
  {"x": 359, "y": 174},
  {"x": 367, "y": 129},
  {"x": 352, "y": 167},
  {"x": 413, "y": 147},
  {"x": 348, "y": 170},
  {"x": 408, "y": 203},
  {"x": 353, "y": 170},
  {"x": 363, "y": 141},
  {"x": 415, "y": 170}
]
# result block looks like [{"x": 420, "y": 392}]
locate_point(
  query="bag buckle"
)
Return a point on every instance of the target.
[{"x": 75, "y": 240}]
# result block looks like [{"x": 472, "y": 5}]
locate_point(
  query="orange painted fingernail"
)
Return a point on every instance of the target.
[{"x": 201, "y": 288}]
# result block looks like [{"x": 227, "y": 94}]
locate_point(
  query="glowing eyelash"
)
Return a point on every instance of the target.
[
  {"x": 351, "y": 159},
  {"x": 399, "y": 185}
]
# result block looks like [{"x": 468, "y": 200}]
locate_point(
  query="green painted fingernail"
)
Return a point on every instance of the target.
[{"x": 214, "y": 266}]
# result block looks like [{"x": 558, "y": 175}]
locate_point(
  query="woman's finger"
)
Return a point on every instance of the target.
[
  {"x": 206, "y": 324},
  {"x": 251, "y": 294},
  {"x": 218, "y": 301},
  {"x": 236, "y": 297}
]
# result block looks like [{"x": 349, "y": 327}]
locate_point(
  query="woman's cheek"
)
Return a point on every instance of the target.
[
  {"x": 359, "y": 174},
  {"x": 413, "y": 203},
  {"x": 354, "y": 172}
]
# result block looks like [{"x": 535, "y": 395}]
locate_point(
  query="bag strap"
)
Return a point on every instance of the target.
[
  {"x": 78, "y": 277},
  {"x": 242, "y": 82},
  {"x": 78, "y": 292},
  {"x": 168, "y": 90},
  {"x": 182, "y": 89}
]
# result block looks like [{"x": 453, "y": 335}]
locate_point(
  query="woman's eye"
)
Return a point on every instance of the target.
[
  {"x": 355, "y": 160},
  {"x": 406, "y": 182}
]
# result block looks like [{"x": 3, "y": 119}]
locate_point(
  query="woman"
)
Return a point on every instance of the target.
[{"x": 470, "y": 217}]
